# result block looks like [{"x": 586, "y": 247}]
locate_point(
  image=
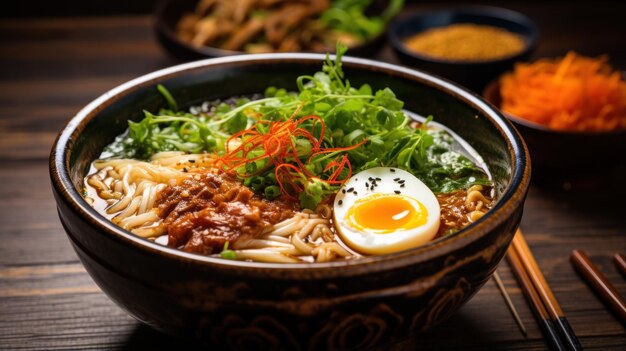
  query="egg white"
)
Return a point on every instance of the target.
[{"x": 368, "y": 241}]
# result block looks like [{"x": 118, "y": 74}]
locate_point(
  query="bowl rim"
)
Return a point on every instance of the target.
[
  {"x": 531, "y": 39},
  {"x": 511, "y": 198},
  {"x": 212, "y": 52},
  {"x": 491, "y": 94}
]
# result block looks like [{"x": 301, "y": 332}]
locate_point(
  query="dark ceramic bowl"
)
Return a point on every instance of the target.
[
  {"x": 472, "y": 74},
  {"x": 169, "y": 12},
  {"x": 354, "y": 304},
  {"x": 580, "y": 160}
]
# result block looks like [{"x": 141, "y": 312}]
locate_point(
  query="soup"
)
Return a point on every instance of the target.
[{"x": 330, "y": 172}]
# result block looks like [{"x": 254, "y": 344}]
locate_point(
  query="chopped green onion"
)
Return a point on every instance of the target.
[{"x": 228, "y": 254}]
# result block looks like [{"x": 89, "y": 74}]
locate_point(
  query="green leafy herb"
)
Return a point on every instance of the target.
[{"x": 366, "y": 125}]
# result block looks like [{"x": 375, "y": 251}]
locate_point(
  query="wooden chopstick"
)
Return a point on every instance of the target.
[
  {"x": 540, "y": 284},
  {"x": 620, "y": 262},
  {"x": 539, "y": 310},
  {"x": 509, "y": 302},
  {"x": 598, "y": 282}
]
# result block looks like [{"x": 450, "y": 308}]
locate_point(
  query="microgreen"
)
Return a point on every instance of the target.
[{"x": 305, "y": 144}]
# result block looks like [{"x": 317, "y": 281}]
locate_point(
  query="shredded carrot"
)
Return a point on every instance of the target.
[
  {"x": 278, "y": 145},
  {"x": 572, "y": 93}
]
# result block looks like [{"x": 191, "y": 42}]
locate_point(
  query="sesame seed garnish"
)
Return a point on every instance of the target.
[
  {"x": 401, "y": 182},
  {"x": 350, "y": 190},
  {"x": 367, "y": 185},
  {"x": 402, "y": 185},
  {"x": 343, "y": 191},
  {"x": 396, "y": 179},
  {"x": 355, "y": 193},
  {"x": 378, "y": 179},
  {"x": 192, "y": 161},
  {"x": 397, "y": 191},
  {"x": 185, "y": 170},
  {"x": 393, "y": 170},
  {"x": 340, "y": 202}
]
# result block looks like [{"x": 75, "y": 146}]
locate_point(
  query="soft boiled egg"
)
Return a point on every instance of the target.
[{"x": 383, "y": 210}]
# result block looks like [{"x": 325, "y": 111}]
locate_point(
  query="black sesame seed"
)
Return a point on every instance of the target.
[
  {"x": 396, "y": 179},
  {"x": 402, "y": 181},
  {"x": 355, "y": 193},
  {"x": 392, "y": 170},
  {"x": 340, "y": 202},
  {"x": 402, "y": 185},
  {"x": 372, "y": 187},
  {"x": 367, "y": 185},
  {"x": 350, "y": 190},
  {"x": 192, "y": 161},
  {"x": 185, "y": 170},
  {"x": 378, "y": 179},
  {"x": 343, "y": 191},
  {"x": 397, "y": 191}
]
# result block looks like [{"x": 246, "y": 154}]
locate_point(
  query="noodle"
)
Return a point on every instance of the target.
[
  {"x": 462, "y": 207},
  {"x": 130, "y": 188},
  {"x": 303, "y": 231},
  {"x": 127, "y": 190},
  {"x": 476, "y": 202}
]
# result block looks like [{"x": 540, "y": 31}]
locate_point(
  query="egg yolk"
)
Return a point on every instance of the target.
[{"x": 386, "y": 213}]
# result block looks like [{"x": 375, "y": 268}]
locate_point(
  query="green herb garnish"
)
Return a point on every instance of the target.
[{"x": 334, "y": 129}]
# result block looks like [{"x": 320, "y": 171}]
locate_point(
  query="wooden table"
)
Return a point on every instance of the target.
[{"x": 50, "y": 68}]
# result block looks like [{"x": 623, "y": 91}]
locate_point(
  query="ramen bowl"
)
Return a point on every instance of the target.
[{"x": 351, "y": 304}]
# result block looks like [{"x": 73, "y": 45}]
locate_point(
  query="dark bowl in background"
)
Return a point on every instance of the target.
[
  {"x": 471, "y": 74},
  {"x": 356, "y": 304},
  {"x": 568, "y": 159},
  {"x": 169, "y": 12}
]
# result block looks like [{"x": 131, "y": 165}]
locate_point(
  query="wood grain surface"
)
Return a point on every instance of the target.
[{"x": 51, "y": 67}]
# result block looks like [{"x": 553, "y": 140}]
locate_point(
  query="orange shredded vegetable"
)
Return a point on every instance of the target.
[
  {"x": 278, "y": 145},
  {"x": 572, "y": 93}
]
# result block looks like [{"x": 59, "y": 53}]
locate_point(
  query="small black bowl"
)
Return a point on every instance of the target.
[
  {"x": 570, "y": 160},
  {"x": 169, "y": 12},
  {"x": 472, "y": 74}
]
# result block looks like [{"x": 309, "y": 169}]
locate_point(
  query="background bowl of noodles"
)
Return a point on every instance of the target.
[
  {"x": 349, "y": 304},
  {"x": 184, "y": 36}
]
